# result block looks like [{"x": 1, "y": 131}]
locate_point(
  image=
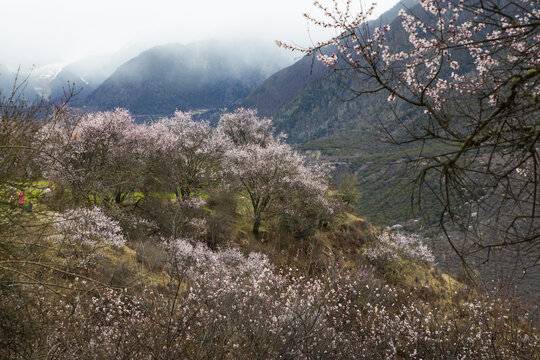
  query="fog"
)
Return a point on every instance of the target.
[{"x": 63, "y": 31}]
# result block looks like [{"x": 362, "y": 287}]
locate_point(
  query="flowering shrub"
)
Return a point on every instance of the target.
[
  {"x": 399, "y": 245},
  {"x": 252, "y": 311},
  {"x": 191, "y": 258},
  {"x": 98, "y": 153},
  {"x": 82, "y": 233},
  {"x": 232, "y": 305},
  {"x": 134, "y": 227},
  {"x": 106, "y": 325},
  {"x": 419, "y": 330},
  {"x": 181, "y": 217},
  {"x": 244, "y": 127}
]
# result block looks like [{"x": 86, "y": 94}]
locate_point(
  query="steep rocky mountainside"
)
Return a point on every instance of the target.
[{"x": 200, "y": 76}]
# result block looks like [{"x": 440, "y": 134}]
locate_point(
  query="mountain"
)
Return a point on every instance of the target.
[
  {"x": 308, "y": 102},
  {"x": 82, "y": 75},
  {"x": 87, "y": 74},
  {"x": 200, "y": 76},
  {"x": 286, "y": 84},
  {"x": 41, "y": 77}
]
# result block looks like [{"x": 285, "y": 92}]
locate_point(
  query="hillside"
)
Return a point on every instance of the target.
[
  {"x": 196, "y": 202},
  {"x": 175, "y": 239},
  {"x": 284, "y": 85},
  {"x": 355, "y": 136},
  {"x": 141, "y": 299}
]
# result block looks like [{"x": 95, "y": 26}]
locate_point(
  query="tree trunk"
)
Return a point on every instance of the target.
[{"x": 256, "y": 225}]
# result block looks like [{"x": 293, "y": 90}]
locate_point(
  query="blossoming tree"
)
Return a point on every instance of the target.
[
  {"x": 264, "y": 169},
  {"x": 100, "y": 153},
  {"x": 185, "y": 154},
  {"x": 243, "y": 127}
]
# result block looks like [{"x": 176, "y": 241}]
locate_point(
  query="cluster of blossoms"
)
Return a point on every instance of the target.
[
  {"x": 89, "y": 227},
  {"x": 243, "y": 127},
  {"x": 328, "y": 60},
  {"x": 185, "y": 151},
  {"x": 449, "y": 35},
  {"x": 99, "y": 327},
  {"x": 399, "y": 245},
  {"x": 191, "y": 259},
  {"x": 230, "y": 304},
  {"x": 90, "y": 152},
  {"x": 82, "y": 233}
]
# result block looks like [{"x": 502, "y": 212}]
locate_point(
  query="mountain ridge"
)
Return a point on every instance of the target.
[{"x": 203, "y": 75}]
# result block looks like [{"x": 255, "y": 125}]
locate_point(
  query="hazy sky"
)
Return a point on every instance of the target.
[{"x": 47, "y": 31}]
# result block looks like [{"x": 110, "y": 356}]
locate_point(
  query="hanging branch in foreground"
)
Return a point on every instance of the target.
[{"x": 473, "y": 68}]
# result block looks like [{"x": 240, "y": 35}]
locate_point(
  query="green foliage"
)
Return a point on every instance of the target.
[{"x": 347, "y": 189}]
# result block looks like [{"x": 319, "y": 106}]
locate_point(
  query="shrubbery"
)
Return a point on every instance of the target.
[
  {"x": 226, "y": 304},
  {"x": 83, "y": 233},
  {"x": 390, "y": 247}
]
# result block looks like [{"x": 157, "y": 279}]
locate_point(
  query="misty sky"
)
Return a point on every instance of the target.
[{"x": 48, "y": 31}]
